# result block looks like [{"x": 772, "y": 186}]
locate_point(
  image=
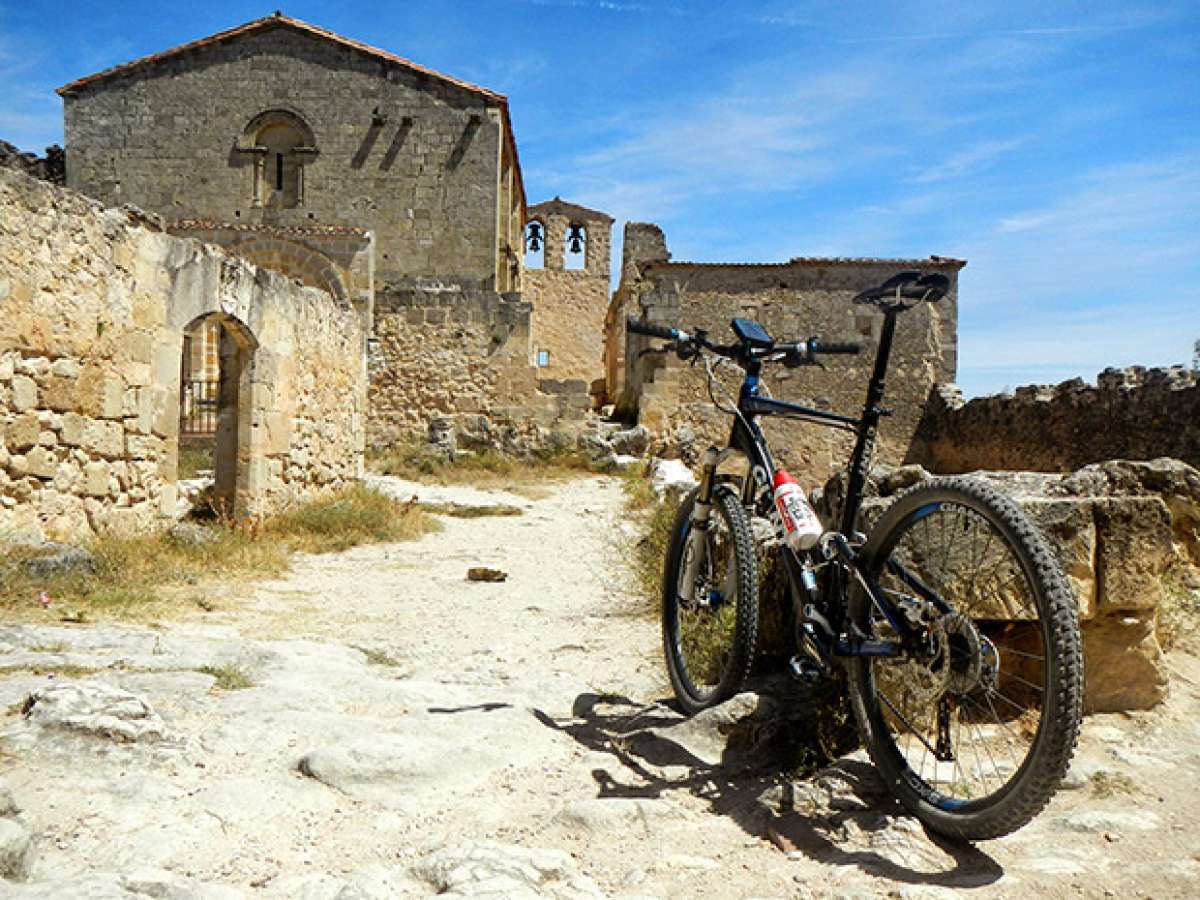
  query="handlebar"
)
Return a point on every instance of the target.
[
  {"x": 791, "y": 353},
  {"x": 637, "y": 326}
]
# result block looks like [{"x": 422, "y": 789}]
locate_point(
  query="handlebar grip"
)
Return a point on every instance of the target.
[
  {"x": 847, "y": 347},
  {"x": 637, "y": 326}
]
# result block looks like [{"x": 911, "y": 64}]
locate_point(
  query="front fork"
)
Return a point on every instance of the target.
[{"x": 701, "y": 518}]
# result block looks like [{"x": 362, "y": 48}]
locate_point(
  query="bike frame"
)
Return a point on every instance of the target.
[{"x": 748, "y": 439}]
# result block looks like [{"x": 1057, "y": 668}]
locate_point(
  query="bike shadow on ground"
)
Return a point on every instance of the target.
[{"x": 841, "y": 815}]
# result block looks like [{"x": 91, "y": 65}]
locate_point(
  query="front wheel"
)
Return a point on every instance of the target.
[
  {"x": 709, "y": 632},
  {"x": 974, "y": 730}
]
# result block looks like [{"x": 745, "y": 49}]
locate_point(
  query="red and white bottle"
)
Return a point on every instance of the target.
[{"x": 801, "y": 526}]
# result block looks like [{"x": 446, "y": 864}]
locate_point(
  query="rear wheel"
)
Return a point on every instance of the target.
[
  {"x": 709, "y": 634},
  {"x": 975, "y": 731}
]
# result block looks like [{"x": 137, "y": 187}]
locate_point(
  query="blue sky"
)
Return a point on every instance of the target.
[{"x": 1055, "y": 146}]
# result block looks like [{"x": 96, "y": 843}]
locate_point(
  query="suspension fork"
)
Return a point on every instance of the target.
[{"x": 701, "y": 519}]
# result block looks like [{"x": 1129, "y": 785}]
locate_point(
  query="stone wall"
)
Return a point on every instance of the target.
[
  {"x": 797, "y": 299},
  {"x": 51, "y": 167},
  {"x": 420, "y": 160},
  {"x": 569, "y": 304},
  {"x": 1133, "y": 413},
  {"x": 446, "y": 350},
  {"x": 1127, "y": 535},
  {"x": 95, "y": 305}
]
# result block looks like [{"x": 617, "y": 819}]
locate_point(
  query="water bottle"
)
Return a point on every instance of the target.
[{"x": 801, "y": 526}]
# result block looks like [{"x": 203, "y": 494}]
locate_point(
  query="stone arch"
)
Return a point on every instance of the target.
[
  {"x": 297, "y": 261},
  {"x": 234, "y": 402},
  {"x": 282, "y": 143}
]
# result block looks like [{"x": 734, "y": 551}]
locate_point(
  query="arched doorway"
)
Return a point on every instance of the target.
[{"x": 214, "y": 410}]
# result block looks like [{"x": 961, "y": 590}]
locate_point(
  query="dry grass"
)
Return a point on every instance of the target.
[
  {"x": 229, "y": 677},
  {"x": 1110, "y": 784},
  {"x": 143, "y": 576},
  {"x": 655, "y": 520},
  {"x": 466, "y": 511},
  {"x": 487, "y": 469}
]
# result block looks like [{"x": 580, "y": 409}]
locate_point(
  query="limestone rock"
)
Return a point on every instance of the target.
[
  {"x": 672, "y": 478},
  {"x": 61, "y": 559},
  {"x": 94, "y": 709},
  {"x": 609, "y": 815},
  {"x": 485, "y": 869},
  {"x": 632, "y": 441},
  {"x": 16, "y": 850},
  {"x": 720, "y": 736},
  {"x": 189, "y": 534}
]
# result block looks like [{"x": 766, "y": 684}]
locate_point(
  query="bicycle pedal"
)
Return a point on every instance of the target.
[{"x": 805, "y": 670}]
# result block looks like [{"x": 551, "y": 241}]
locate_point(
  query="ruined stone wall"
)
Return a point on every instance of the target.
[
  {"x": 50, "y": 167},
  {"x": 444, "y": 350},
  {"x": 95, "y": 305},
  {"x": 1133, "y": 413},
  {"x": 423, "y": 174},
  {"x": 642, "y": 244},
  {"x": 793, "y": 300},
  {"x": 568, "y": 321}
]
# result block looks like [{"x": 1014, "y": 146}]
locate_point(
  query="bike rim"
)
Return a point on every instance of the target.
[{"x": 964, "y": 719}]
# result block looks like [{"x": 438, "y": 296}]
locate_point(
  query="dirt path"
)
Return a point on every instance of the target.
[{"x": 406, "y": 732}]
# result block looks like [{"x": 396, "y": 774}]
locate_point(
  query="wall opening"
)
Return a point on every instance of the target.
[
  {"x": 214, "y": 414},
  {"x": 283, "y": 144},
  {"x": 575, "y": 248},
  {"x": 535, "y": 245}
]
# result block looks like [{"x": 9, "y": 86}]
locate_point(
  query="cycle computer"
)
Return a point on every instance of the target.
[{"x": 751, "y": 333}]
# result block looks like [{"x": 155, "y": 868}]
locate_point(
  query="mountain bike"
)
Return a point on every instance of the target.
[{"x": 952, "y": 621}]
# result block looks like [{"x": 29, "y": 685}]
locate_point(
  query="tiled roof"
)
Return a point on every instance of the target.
[
  {"x": 275, "y": 21},
  {"x": 297, "y": 230},
  {"x": 279, "y": 20}
]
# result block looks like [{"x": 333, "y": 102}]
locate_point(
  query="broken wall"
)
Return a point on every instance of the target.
[
  {"x": 443, "y": 350},
  {"x": 1133, "y": 413},
  {"x": 792, "y": 300},
  {"x": 95, "y": 303}
]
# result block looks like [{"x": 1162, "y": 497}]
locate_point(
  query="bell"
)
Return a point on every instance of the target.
[
  {"x": 535, "y": 237},
  {"x": 576, "y": 238}
]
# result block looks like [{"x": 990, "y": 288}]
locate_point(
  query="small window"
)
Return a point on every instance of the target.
[
  {"x": 543, "y": 358},
  {"x": 535, "y": 245}
]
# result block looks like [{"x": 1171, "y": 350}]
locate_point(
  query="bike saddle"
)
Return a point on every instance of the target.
[{"x": 907, "y": 289}]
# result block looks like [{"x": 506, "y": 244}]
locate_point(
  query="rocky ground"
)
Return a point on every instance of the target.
[{"x": 374, "y": 725}]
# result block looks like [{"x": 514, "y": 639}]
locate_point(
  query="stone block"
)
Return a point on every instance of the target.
[
  {"x": 102, "y": 438},
  {"x": 24, "y": 393},
  {"x": 42, "y": 463},
  {"x": 96, "y": 479},
  {"x": 23, "y": 432},
  {"x": 1123, "y": 663}
]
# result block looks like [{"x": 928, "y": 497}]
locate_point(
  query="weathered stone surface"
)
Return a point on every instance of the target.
[
  {"x": 1123, "y": 663},
  {"x": 60, "y": 559},
  {"x": 93, "y": 402},
  {"x": 484, "y": 869},
  {"x": 94, "y": 709},
  {"x": 16, "y": 850}
]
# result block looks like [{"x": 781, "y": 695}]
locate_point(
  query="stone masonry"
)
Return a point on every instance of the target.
[
  {"x": 1133, "y": 413},
  {"x": 792, "y": 300},
  {"x": 96, "y": 302},
  {"x": 569, "y": 304},
  {"x": 281, "y": 123}
]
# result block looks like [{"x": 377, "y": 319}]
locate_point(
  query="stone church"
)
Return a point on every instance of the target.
[{"x": 395, "y": 188}]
